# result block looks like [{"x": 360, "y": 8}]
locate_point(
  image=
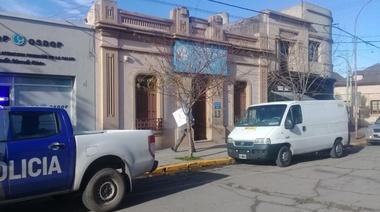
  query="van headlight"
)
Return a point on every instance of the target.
[
  {"x": 370, "y": 130},
  {"x": 262, "y": 141},
  {"x": 230, "y": 140}
]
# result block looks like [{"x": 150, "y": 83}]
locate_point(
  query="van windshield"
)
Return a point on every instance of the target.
[{"x": 265, "y": 115}]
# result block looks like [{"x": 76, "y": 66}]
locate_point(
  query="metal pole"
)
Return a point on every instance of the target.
[
  {"x": 356, "y": 106},
  {"x": 348, "y": 78}
]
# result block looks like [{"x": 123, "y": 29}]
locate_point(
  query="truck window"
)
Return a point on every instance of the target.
[
  {"x": 28, "y": 124},
  {"x": 295, "y": 114}
]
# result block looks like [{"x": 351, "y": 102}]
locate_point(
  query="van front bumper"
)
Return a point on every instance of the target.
[{"x": 256, "y": 152}]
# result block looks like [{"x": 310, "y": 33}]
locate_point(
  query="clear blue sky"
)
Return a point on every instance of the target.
[{"x": 344, "y": 14}]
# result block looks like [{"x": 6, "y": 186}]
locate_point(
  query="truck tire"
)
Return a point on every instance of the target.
[
  {"x": 284, "y": 157},
  {"x": 104, "y": 191},
  {"x": 337, "y": 149}
]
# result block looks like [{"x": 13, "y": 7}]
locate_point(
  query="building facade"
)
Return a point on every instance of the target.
[
  {"x": 368, "y": 94},
  {"x": 48, "y": 63},
  {"x": 133, "y": 50},
  {"x": 131, "y": 45}
]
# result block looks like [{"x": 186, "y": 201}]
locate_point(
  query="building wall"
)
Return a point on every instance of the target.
[
  {"x": 320, "y": 30},
  {"x": 134, "y": 40},
  {"x": 368, "y": 94},
  {"x": 298, "y": 26},
  {"x": 49, "y": 63}
]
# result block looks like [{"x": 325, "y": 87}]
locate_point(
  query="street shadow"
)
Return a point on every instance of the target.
[
  {"x": 144, "y": 190},
  {"x": 373, "y": 144},
  {"x": 314, "y": 156},
  {"x": 72, "y": 203},
  {"x": 325, "y": 154},
  {"x": 148, "y": 189}
]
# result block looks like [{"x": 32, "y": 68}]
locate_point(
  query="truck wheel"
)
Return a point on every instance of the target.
[
  {"x": 104, "y": 191},
  {"x": 284, "y": 157},
  {"x": 337, "y": 150}
]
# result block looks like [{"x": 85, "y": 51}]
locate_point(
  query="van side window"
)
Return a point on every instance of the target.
[
  {"x": 30, "y": 124},
  {"x": 295, "y": 114}
]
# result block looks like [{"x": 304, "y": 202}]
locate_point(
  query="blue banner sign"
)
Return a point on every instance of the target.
[{"x": 200, "y": 58}]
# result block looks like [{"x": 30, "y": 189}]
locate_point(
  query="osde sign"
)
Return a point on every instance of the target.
[{"x": 20, "y": 40}]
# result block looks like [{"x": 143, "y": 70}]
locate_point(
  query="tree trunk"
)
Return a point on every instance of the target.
[{"x": 190, "y": 136}]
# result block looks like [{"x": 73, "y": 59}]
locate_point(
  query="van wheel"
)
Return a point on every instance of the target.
[
  {"x": 105, "y": 190},
  {"x": 337, "y": 150},
  {"x": 284, "y": 157}
]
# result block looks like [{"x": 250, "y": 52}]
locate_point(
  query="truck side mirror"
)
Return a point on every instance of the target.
[{"x": 289, "y": 124}]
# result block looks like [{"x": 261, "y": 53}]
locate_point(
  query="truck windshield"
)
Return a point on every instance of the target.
[{"x": 265, "y": 115}]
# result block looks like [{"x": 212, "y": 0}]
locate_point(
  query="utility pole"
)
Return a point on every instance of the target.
[
  {"x": 356, "y": 106},
  {"x": 348, "y": 84}
]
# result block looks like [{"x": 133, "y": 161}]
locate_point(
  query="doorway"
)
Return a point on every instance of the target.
[
  {"x": 199, "y": 109},
  {"x": 240, "y": 98},
  {"x": 199, "y": 114}
]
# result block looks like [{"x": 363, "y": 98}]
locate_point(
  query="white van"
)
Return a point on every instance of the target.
[{"x": 278, "y": 130}]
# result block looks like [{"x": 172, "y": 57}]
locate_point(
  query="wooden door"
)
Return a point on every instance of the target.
[
  {"x": 199, "y": 114},
  {"x": 239, "y": 100}
]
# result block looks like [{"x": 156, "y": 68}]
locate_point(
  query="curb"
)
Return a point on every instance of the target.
[
  {"x": 189, "y": 166},
  {"x": 194, "y": 165}
]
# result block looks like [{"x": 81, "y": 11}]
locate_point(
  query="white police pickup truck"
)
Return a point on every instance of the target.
[{"x": 40, "y": 156}]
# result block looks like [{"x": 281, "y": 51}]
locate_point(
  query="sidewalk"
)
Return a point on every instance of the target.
[
  {"x": 360, "y": 140},
  {"x": 211, "y": 154}
]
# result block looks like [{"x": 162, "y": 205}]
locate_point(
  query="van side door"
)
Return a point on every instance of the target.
[
  {"x": 296, "y": 136},
  {"x": 37, "y": 155}
]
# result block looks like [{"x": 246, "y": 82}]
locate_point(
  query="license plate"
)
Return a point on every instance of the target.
[{"x": 242, "y": 156}]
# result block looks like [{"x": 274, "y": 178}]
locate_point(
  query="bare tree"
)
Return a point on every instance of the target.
[
  {"x": 298, "y": 69},
  {"x": 191, "y": 71}
]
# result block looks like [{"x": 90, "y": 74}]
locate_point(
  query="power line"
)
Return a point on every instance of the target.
[
  {"x": 236, "y": 6},
  {"x": 192, "y": 8},
  {"x": 248, "y": 9},
  {"x": 372, "y": 41},
  {"x": 356, "y": 37},
  {"x": 66, "y": 11},
  {"x": 347, "y": 5},
  {"x": 244, "y": 8}
]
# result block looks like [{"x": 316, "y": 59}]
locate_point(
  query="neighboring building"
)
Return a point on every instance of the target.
[
  {"x": 301, "y": 37},
  {"x": 130, "y": 44},
  {"x": 48, "y": 63},
  {"x": 368, "y": 88}
]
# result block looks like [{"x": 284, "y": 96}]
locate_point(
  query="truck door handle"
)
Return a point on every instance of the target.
[
  {"x": 304, "y": 128},
  {"x": 56, "y": 146}
]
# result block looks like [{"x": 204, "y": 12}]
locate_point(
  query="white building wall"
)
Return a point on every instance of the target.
[{"x": 54, "y": 66}]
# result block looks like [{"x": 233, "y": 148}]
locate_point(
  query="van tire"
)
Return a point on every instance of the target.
[
  {"x": 284, "y": 157},
  {"x": 337, "y": 149}
]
